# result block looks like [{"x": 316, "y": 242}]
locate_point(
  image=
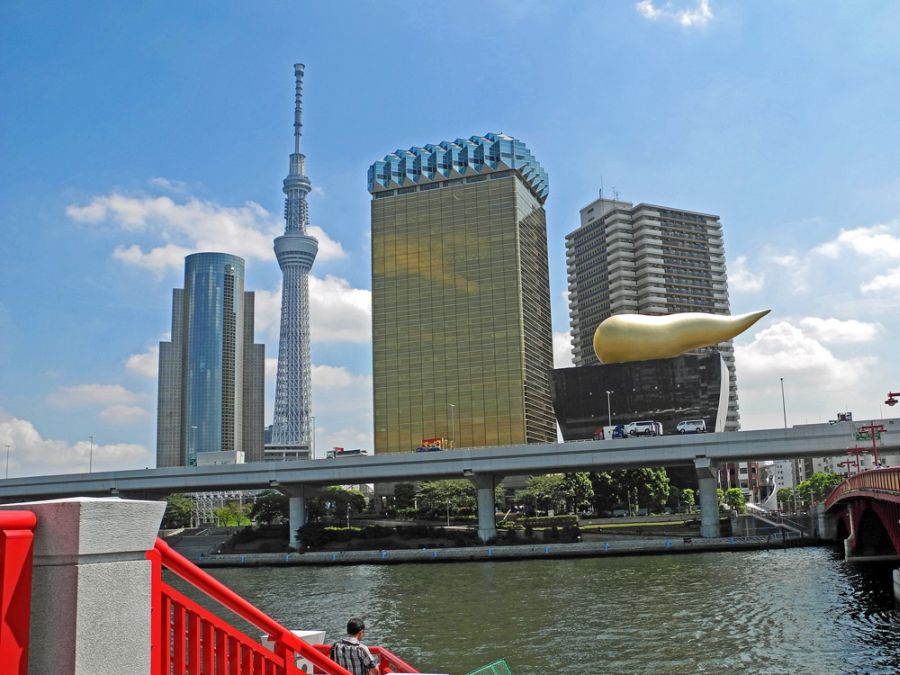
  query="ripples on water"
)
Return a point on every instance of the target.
[{"x": 784, "y": 611}]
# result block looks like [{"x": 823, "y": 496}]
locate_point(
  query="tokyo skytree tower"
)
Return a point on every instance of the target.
[{"x": 296, "y": 251}]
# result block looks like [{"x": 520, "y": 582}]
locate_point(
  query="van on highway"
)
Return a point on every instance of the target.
[
  {"x": 643, "y": 428},
  {"x": 691, "y": 427}
]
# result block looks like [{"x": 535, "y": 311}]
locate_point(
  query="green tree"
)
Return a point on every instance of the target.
[
  {"x": 577, "y": 490},
  {"x": 817, "y": 487},
  {"x": 343, "y": 501},
  {"x": 688, "y": 498},
  {"x": 436, "y": 497},
  {"x": 720, "y": 497},
  {"x": 233, "y": 514},
  {"x": 674, "y": 500},
  {"x": 605, "y": 491},
  {"x": 178, "y": 511},
  {"x": 649, "y": 487},
  {"x": 404, "y": 496},
  {"x": 544, "y": 492},
  {"x": 734, "y": 498},
  {"x": 784, "y": 497},
  {"x": 271, "y": 507}
]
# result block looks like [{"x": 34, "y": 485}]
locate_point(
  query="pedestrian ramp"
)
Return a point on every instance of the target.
[{"x": 500, "y": 667}]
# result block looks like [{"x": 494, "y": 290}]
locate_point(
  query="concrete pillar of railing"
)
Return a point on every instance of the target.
[
  {"x": 296, "y": 512},
  {"x": 487, "y": 518},
  {"x": 896, "y": 575},
  {"x": 90, "y": 598},
  {"x": 709, "y": 500}
]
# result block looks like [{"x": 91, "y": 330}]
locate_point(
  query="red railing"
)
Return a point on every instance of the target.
[
  {"x": 16, "y": 539},
  {"x": 876, "y": 480},
  {"x": 188, "y": 639},
  {"x": 387, "y": 662}
]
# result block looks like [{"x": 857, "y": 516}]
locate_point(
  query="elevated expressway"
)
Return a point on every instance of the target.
[{"x": 484, "y": 466}]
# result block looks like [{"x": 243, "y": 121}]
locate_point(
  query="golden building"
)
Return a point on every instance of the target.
[{"x": 462, "y": 340}]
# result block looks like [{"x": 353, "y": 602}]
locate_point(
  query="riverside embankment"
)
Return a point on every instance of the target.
[{"x": 611, "y": 548}]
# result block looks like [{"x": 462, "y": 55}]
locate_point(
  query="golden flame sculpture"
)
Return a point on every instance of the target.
[{"x": 638, "y": 337}]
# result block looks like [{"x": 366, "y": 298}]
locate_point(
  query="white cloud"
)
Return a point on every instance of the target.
[
  {"x": 146, "y": 364},
  {"x": 784, "y": 348},
  {"x": 329, "y": 249},
  {"x": 123, "y": 414},
  {"x": 158, "y": 260},
  {"x": 562, "y": 349},
  {"x": 336, "y": 377},
  {"x": 168, "y": 184},
  {"x": 81, "y": 395},
  {"x": 817, "y": 380},
  {"x": 337, "y": 311},
  {"x": 342, "y": 404},
  {"x": 876, "y": 241},
  {"x": 31, "y": 454},
  {"x": 699, "y": 14},
  {"x": 117, "y": 404},
  {"x": 741, "y": 279},
  {"x": 796, "y": 267},
  {"x": 188, "y": 226},
  {"x": 271, "y": 367},
  {"x": 889, "y": 281},
  {"x": 840, "y": 331}
]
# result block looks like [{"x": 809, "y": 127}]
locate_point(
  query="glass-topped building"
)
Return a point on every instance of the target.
[
  {"x": 462, "y": 341},
  {"x": 211, "y": 387}
]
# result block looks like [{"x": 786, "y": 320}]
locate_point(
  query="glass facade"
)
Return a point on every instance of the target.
[
  {"x": 214, "y": 289},
  {"x": 462, "y": 341},
  {"x": 690, "y": 386},
  {"x": 211, "y": 390}
]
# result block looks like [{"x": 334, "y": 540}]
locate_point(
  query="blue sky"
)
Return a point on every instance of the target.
[{"x": 133, "y": 134}]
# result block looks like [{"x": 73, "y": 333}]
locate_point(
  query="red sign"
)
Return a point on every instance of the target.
[{"x": 433, "y": 443}]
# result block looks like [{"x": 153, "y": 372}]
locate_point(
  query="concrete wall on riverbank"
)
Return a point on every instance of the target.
[{"x": 520, "y": 552}]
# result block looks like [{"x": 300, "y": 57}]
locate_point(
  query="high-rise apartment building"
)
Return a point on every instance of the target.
[
  {"x": 646, "y": 259},
  {"x": 296, "y": 251},
  {"x": 211, "y": 373},
  {"x": 462, "y": 341}
]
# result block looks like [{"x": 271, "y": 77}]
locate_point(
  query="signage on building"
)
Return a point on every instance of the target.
[{"x": 439, "y": 443}]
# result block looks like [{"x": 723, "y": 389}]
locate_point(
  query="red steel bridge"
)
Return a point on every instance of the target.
[{"x": 867, "y": 509}]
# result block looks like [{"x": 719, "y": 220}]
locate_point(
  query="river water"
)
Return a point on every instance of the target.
[{"x": 799, "y": 610}]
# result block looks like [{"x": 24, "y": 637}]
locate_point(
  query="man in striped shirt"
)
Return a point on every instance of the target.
[{"x": 352, "y": 654}]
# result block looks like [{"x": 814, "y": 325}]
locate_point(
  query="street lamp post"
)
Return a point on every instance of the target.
[
  {"x": 91, "y": 459},
  {"x": 7, "y": 460},
  {"x": 448, "y": 513},
  {"x": 312, "y": 445},
  {"x": 873, "y": 429},
  {"x": 192, "y": 452},
  {"x": 608, "y": 407},
  {"x": 783, "y": 407}
]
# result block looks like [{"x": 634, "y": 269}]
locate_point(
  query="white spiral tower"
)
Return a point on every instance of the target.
[{"x": 296, "y": 252}]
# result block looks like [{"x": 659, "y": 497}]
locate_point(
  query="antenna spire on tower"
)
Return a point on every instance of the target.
[{"x": 298, "y": 105}]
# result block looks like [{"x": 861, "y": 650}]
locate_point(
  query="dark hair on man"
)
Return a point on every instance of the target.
[{"x": 354, "y": 626}]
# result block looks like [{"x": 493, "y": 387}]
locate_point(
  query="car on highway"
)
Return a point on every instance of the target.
[
  {"x": 643, "y": 428},
  {"x": 691, "y": 427}
]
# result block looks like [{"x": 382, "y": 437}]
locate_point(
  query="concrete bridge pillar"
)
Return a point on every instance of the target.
[
  {"x": 90, "y": 598},
  {"x": 487, "y": 519},
  {"x": 296, "y": 510},
  {"x": 709, "y": 500}
]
